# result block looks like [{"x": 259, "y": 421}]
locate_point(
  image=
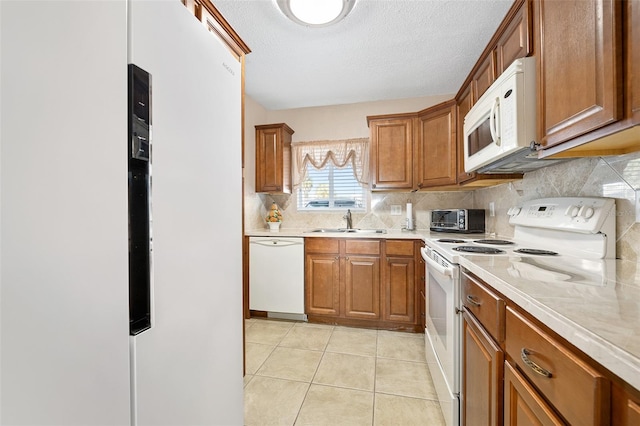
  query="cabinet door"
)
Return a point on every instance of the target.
[
  {"x": 268, "y": 161},
  {"x": 580, "y": 86},
  {"x": 436, "y": 147},
  {"x": 522, "y": 404},
  {"x": 482, "y": 371},
  {"x": 485, "y": 75},
  {"x": 400, "y": 289},
  {"x": 625, "y": 410},
  {"x": 515, "y": 41},
  {"x": 464, "y": 104},
  {"x": 391, "y": 154},
  {"x": 322, "y": 279},
  {"x": 632, "y": 40},
  {"x": 273, "y": 158},
  {"x": 362, "y": 287}
]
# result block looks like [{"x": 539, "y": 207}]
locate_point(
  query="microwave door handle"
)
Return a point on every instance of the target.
[{"x": 494, "y": 123}]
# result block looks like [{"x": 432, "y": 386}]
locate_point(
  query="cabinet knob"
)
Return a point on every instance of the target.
[{"x": 337, "y": 257}]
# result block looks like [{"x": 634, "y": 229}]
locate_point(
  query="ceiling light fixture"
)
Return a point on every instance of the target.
[{"x": 315, "y": 13}]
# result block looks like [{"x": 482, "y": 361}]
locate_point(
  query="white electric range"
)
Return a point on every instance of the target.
[{"x": 555, "y": 240}]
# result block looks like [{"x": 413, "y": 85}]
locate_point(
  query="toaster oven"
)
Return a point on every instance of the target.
[{"x": 458, "y": 220}]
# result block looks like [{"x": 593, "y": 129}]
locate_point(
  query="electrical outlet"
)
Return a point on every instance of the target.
[
  {"x": 396, "y": 210},
  {"x": 492, "y": 209}
]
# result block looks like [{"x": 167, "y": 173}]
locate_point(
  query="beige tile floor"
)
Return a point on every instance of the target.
[{"x": 311, "y": 374}]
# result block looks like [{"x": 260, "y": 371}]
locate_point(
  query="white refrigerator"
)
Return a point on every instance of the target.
[{"x": 66, "y": 354}]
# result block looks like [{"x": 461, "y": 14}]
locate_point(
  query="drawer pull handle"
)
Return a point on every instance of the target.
[
  {"x": 524, "y": 354},
  {"x": 473, "y": 301}
]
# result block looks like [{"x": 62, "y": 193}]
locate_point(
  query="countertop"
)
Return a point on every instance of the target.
[
  {"x": 601, "y": 318},
  {"x": 420, "y": 234}
]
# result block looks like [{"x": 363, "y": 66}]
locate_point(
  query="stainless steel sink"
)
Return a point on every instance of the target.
[
  {"x": 367, "y": 231},
  {"x": 350, "y": 231}
]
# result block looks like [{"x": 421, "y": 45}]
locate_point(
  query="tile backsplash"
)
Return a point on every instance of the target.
[{"x": 616, "y": 177}]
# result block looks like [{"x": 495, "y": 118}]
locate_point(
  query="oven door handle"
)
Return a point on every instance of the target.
[{"x": 442, "y": 269}]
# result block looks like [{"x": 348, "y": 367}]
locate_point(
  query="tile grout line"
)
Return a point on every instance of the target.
[
  {"x": 375, "y": 381},
  {"x": 313, "y": 377}
]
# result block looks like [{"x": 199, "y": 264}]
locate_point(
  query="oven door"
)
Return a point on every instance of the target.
[{"x": 442, "y": 334}]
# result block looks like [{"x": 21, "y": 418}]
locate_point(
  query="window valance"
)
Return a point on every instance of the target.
[{"x": 339, "y": 152}]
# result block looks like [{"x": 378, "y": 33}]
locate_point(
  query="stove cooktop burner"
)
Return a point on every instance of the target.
[
  {"x": 495, "y": 242},
  {"x": 535, "y": 251},
  {"x": 478, "y": 249},
  {"x": 450, "y": 240}
]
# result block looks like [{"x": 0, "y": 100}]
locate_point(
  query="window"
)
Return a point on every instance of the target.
[
  {"x": 331, "y": 188},
  {"x": 331, "y": 175}
]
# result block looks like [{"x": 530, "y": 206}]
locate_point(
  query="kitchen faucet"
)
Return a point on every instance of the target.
[{"x": 348, "y": 217}]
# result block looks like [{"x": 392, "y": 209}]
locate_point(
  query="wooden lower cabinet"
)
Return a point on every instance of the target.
[
  {"x": 482, "y": 361},
  {"x": 399, "y": 286},
  {"x": 362, "y": 287},
  {"x": 533, "y": 376},
  {"x": 522, "y": 404},
  {"x": 625, "y": 406},
  {"x": 362, "y": 282},
  {"x": 322, "y": 284},
  {"x": 578, "y": 392}
]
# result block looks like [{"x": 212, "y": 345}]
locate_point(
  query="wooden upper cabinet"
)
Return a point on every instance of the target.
[
  {"x": 436, "y": 145},
  {"x": 464, "y": 102},
  {"x": 212, "y": 19},
  {"x": 580, "y": 69},
  {"x": 484, "y": 75},
  {"x": 632, "y": 59},
  {"x": 515, "y": 41},
  {"x": 391, "y": 152},
  {"x": 273, "y": 158}
]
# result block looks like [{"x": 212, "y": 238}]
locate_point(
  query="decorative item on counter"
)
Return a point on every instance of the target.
[{"x": 274, "y": 218}]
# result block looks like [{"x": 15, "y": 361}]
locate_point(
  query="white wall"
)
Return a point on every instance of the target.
[
  {"x": 64, "y": 277},
  {"x": 344, "y": 121}
]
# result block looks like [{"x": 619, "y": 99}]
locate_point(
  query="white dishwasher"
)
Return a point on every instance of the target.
[{"x": 276, "y": 276}]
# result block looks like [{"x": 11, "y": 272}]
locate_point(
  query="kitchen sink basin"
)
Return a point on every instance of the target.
[{"x": 349, "y": 231}]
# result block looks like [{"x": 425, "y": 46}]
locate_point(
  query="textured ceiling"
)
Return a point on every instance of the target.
[{"x": 384, "y": 49}]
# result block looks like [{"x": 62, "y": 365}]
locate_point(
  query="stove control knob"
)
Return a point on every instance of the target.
[
  {"x": 513, "y": 211},
  {"x": 572, "y": 211},
  {"x": 586, "y": 212}
]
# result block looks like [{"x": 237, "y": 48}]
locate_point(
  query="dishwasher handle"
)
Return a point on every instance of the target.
[{"x": 274, "y": 242}]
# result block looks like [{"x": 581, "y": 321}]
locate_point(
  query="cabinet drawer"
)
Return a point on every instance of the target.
[
  {"x": 362, "y": 247},
  {"x": 400, "y": 248},
  {"x": 485, "y": 305},
  {"x": 577, "y": 391},
  {"x": 322, "y": 245}
]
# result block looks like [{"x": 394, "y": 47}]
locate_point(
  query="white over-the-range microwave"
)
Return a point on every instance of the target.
[{"x": 500, "y": 129}]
